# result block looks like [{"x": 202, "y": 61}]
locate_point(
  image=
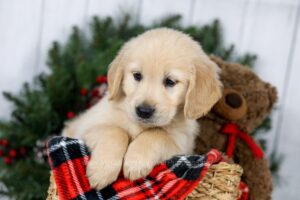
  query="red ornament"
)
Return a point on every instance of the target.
[
  {"x": 13, "y": 153},
  {"x": 95, "y": 92},
  {"x": 70, "y": 115},
  {"x": 83, "y": 92},
  {"x": 101, "y": 79},
  {"x": 8, "y": 160},
  {"x": 4, "y": 142},
  {"x": 23, "y": 151},
  {"x": 1, "y": 153}
]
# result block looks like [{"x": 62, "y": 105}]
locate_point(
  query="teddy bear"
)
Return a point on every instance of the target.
[{"x": 246, "y": 102}]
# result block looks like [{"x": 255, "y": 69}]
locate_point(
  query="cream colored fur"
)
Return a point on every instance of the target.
[{"x": 117, "y": 137}]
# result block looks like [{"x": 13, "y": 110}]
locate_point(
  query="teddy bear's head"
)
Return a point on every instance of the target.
[{"x": 246, "y": 99}]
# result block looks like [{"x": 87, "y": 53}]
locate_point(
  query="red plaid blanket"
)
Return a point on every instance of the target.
[{"x": 172, "y": 179}]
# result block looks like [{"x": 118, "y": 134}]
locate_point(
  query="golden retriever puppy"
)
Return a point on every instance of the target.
[{"x": 158, "y": 85}]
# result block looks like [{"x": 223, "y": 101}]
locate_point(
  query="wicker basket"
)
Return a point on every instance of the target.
[
  {"x": 220, "y": 183},
  {"x": 52, "y": 191}
]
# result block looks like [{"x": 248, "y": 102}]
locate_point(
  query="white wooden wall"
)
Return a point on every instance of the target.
[{"x": 269, "y": 28}]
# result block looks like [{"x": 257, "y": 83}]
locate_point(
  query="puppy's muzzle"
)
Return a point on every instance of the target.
[{"x": 145, "y": 111}]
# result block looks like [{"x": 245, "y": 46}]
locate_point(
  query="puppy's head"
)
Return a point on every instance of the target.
[{"x": 161, "y": 74}]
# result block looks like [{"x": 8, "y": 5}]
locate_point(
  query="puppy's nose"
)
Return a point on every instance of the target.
[{"x": 144, "y": 111}]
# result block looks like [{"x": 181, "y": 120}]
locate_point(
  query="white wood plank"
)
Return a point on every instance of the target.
[
  {"x": 59, "y": 17},
  {"x": 230, "y": 13},
  {"x": 279, "y": 2},
  {"x": 19, "y": 43},
  {"x": 153, "y": 10},
  {"x": 113, "y": 8},
  {"x": 289, "y": 124}
]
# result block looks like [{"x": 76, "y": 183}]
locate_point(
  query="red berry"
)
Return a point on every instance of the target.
[
  {"x": 1, "y": 153},
  {"x": 23, "y": 151},
  {"x": 4, "y": 142},
  {"x": 101, "y": 79},
  {"x": 13, "y": 153},
  {"x": 8, "y": 160},
  {"x": 83, "y": 92},
  {"x": 95, "y": 92},
  {"x": 70, "y": 115}
]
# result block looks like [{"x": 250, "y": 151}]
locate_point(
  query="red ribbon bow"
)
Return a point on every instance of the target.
[{"x": 233, "y": 131}]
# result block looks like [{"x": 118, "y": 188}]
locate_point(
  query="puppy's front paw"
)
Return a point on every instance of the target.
[
  {"x": 137, "y": 165},
  {"x": 102, "y": 172}
]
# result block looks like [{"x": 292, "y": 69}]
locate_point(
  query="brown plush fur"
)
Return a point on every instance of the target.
[{"x": 259, "y": 97}]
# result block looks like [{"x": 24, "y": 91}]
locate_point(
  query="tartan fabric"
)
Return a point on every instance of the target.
[{"x": 172, "y": 179}]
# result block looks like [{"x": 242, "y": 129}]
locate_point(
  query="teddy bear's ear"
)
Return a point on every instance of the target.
[
  {"x": 273, "y": 95},
  {"x": 218, "y": 61},
  {"x": 204, "y": 90}
]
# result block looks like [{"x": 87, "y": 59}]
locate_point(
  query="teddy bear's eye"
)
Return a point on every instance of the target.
[
  {"x": 169, "y": 82},
  {"x": 137, "y": 76}
]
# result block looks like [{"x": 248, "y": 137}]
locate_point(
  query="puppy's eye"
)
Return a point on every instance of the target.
[
  {"x": 137, "y": 76},
  {"x": 169, "y": 83}
]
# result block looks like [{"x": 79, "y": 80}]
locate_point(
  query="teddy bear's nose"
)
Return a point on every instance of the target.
[{"x": 233, "y": 100}]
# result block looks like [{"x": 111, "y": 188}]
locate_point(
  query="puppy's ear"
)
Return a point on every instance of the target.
[
  {"x": 115, "y": 77},
  {"x": 204, "y": 90}
]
